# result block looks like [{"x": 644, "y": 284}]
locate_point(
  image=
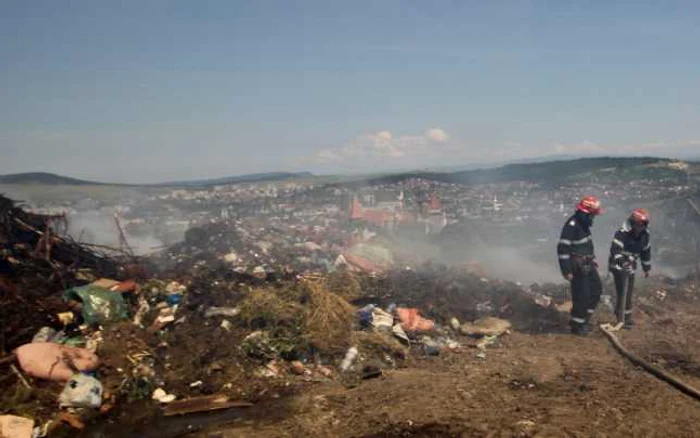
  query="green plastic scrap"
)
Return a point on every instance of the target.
[
  {"x": 76, "y": 341},
  {"x": 98, "y": 305}
]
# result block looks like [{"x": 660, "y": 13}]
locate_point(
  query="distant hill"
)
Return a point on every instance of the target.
[
  {"x": 547, "y": 172},
  {"x": 53, "y": 179},
  {"x": 543, "y": 170},
  {"x": 252, "y": 178},
  {"x": 44, "y": 178}
]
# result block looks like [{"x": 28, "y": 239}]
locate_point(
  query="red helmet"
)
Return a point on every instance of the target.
[
  {"x": 640, "y": 215},
  {"x": 590, "y": 205}
]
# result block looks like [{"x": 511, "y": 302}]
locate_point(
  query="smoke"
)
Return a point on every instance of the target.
[
  {"x": 516, "y": 265},
  {"x": 525, "y": 250},
  {"x": 485, "y": 250},
  {"x": 90, "y": 213},
  {"x": 533, "y": 264},
  {"x": 99, "y": 228}
]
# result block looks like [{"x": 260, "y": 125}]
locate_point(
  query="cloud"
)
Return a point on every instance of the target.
[
  {"x": 437, "y": 135},
  {"x": 383, "y": 136},
  {"x": 434, "y": 142}
]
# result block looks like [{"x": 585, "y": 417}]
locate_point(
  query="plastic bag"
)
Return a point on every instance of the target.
[
  {"x": 81, "y": 391},
  {"x": 98, "y": 305},
  {"x": 48, "y": 334},
  {"x": 411, "y": 321},
  {"x": 382, "y": 320},
  {"x": 46, "y": 360}
]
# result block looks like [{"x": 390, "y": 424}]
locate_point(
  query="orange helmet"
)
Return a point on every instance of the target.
[
  {"x": 640, "y": 215},
  {"x": 590, "y": 205}
]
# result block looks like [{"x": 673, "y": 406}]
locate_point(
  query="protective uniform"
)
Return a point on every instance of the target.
[
  {"x": 577, "y": 263},
  {"x": 629, "y": 246}
]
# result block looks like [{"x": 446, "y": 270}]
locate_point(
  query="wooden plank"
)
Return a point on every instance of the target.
[{"x": 202, "y": 404}]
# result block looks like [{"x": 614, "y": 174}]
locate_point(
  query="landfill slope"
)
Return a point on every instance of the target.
[{"x": 536, "y": 384}]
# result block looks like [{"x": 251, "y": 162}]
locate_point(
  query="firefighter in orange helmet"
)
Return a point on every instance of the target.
[
  {"x": 630, "y": 244},
  {"x": 578, "y": 264}
]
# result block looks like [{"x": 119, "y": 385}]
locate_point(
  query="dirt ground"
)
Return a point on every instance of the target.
[{"x": 545, "y": 384}]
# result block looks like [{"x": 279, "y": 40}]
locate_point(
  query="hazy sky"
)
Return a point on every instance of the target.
[{"x": 142, "y": 91}]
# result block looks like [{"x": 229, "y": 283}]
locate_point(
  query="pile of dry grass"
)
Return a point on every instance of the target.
[
  {"x": 306, "y": 314},
  {"x": 329, "y": 319},
  {"x": 269, "y": 309},
  {"x": 344, "y": 284}
]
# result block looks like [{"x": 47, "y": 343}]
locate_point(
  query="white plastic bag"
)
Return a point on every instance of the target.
[
  {"x": 382, "y": 320},
  {"x": 81, "y": 391}
]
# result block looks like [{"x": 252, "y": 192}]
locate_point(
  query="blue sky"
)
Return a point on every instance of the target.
[{"x": 161, "y": 90}]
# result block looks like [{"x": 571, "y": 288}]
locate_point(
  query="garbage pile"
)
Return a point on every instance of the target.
[
  {"x": 37, "y": 265},
  {"x": 36, "y": 262},
  {"x": 90, "y": 336},
  {"x": 443, "y": 292},
  {"x": 216, "y": 341},
  {"x": 254, "y": 248},
  {"x": 262, "y": 247}
]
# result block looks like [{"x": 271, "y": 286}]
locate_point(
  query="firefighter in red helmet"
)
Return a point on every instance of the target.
[
  {"x": 578, "y": 264},
  {"x": 630, "y": 244}
]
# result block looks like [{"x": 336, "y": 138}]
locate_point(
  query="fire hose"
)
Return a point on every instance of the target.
[
  {"x": 683, "y": 387},
  {"x": 609, "y": 331}
]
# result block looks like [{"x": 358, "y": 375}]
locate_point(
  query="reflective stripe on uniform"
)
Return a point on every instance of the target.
[
  {"x": 647, "y": 247},
  {"x": 591, "y": 310},
  {"x": 627, "y": 312},
  {"x": 564, "y": 256},
  {"x": 581, "y": 241},
  {"x": 565, "y": 241},
  {"x": 619, "y": 243},
  {"x": 619, "y": 256},
  {"x": 646, "y": 263},
  {"x": 578, "y": 320}
]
